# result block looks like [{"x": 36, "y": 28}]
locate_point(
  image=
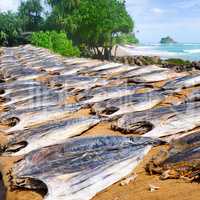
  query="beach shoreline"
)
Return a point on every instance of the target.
[{"x": 190, "y": 52}]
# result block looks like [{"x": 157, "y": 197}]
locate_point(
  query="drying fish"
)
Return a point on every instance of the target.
[
  {"x": 24, "y": 74},
  {"x": 76, "y": 67},
  {"x": 186, "y": 141},
  {"x": 45, "y": 63},
  {"x": 100, "y": 68},
  {"x": 194, "y": 96},
  {"x": 142, "y": 70},
  {"x": 7, "y": 88},
  {"x": 76, "y": 82},
  {"x": 43, "y": 99},
  {"x": 81, "y": 167},
  {"x": 127, "y": 104},
  {"x": 181, "y": 161},
  {"x": 106, "y": 71},
  {"x": 183, "y": 82},
  {"x": 100, "y": 94},
  {"x": 55, "y": 132},
  {"x": 20, "y": 95},
  {"x": 115, "y": 70},
  {"x": 24, "y": 118},
  {"x": 161, "y": 122},
  {"x": 155, "y": 76}
]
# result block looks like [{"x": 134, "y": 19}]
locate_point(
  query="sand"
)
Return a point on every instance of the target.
[{"x": 137, "y": 190}]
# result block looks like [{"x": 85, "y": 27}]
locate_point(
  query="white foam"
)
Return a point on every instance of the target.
[
  {"x": 192, "y": 51},
  {"x": 145, "y": 51}
]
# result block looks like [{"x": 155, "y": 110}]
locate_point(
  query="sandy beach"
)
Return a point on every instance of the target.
[{"x": 139, "y": 189}]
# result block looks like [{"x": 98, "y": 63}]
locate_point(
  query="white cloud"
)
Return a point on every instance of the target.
[
  {"x": 6, "y": 5},
  {"x": 157, "y": 11}
]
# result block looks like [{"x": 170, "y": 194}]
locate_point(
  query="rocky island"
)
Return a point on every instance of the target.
[{"x": 167, "y": 40}]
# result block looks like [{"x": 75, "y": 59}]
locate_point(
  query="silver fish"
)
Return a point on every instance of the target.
[
  {"x": 184, "y": 82},
  {"x": 24, "y": 118},
  {"x": 127, "y": 104},
  {"x": 101, "y": 94},
  {"x": 55, "y": 132},
  {"x": 104, "y": 66},
  {"x": 46, "y": 98},
  {"x": 7, "y": 88},
  {"x": 194, "y": 96},
  {"x": 142, "y": 70},
  {"x": 82, "y": 167},
  {"x": 22, "y": 94},
  {"x": 161, "y": 122},
  {"x": 155, "y": 76},
  {"x": 116, "y": 70},
  {"x": 76, "y": 82}
]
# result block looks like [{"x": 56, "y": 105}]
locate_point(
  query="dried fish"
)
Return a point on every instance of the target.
[
  {"x": 161, "y": 122},
  {"x": 54, "y": 132},
  {"x": 82, "y": 167},
  {"x": 127, "y": 104}
]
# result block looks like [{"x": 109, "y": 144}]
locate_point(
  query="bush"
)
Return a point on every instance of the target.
[
  {"x": 55, "y": 41},
  {"x": 126, "y": 39},
  {"x": 62, "y": 45},
  {"x": 177, "y": 61},
  {"x": 42, "y": 39}
]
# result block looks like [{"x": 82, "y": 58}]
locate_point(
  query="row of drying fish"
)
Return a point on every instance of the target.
[{"x": 37, "y": 121}]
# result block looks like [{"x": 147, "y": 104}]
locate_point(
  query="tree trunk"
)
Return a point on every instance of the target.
[{"x": 116, "y": 47}]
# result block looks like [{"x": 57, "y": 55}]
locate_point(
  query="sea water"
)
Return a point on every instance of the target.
[{"x": 184, "y": 51}]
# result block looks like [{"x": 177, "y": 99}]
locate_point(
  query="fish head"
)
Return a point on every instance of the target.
[
  {"x": 10, "y": 122},
  {"x": 14, "y": 147},
  {"x": 2, "y": 91},
  {"x": 140, "y": 128},
  {"x": 132, "y": 127}
]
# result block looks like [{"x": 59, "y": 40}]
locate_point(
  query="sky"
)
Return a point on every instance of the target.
[{"x": 154, "y": 19}]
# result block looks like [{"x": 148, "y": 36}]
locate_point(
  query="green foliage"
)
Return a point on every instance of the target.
[
  {"x": 42, "y": 39},
  {"x": 64, "y": 5},
  {"x": 177, "y": 61},
  {"x": 98, "y": 21},
  {"x": 93, "y": 23},
  {"x": 10, "y": 28},
  {"x": 57, "y": 42},
  {"x": 60, "y": 16},
  {"x": 126, "y": 39},
  {"x": 30, "y": 12},
  {"x": 62, "y": 45}
]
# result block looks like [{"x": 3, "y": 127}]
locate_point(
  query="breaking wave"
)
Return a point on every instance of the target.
[
  {"x": 184, "y": 51},
  {"x": 192, "y": 51}
]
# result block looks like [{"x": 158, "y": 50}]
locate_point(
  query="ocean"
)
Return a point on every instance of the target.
[{"x": 184, "y": 51}]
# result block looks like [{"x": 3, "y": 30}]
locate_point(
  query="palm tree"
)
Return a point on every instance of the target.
[
  {"x": 30, "y": 12},
  {"x": 64, "y": 5}
]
